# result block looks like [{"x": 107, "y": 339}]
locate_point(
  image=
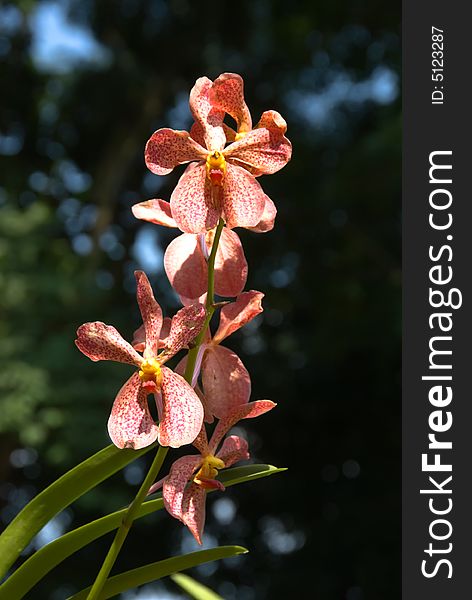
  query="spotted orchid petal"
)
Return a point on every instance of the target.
[
  {"x": 165, "y": 330},
  {"x": 180, "y": 369},
  {"x": 103, "y": 342},
  {"x": 130, "y": 424},
  {"x": 185, "y": 266},
  {"x": 245, "y": 411},
  {"x": 154, "y": 211},
  {"x": 235, "y": 315},
  {"x": 188, "y": 301},
  {"x": 139, "y": 337},
  {"x": 208, "y": 416},
  {"x": 243, "y": 198},
  {"x": 268, "y": 218},
  {"x": 226, "y": 382},
  {"x": 230, "y": 265},
  {"x": 187, "y": 269},
  {"x": 197, "y": 133},
  {"x": 265, "y": 151},
  {"x": 234, "y": 448},
  {"x": 167, "y": 148},
  {"x": 273, "y": 121},
  {"x": 182, "y": 411},
  {"x": 193, "y": 510},
  {"x": 201, "y": 442},
  {"x": 175, "y": 483},
  {"x": 186, "y": 324},
  {"x": 209, "y": 118},
  {"x": 227, "y": 95},
  {"x": 151, "y": 313},
  {"x": 194, "y": 205}
]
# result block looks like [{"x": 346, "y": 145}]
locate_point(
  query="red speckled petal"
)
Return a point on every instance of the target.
[
  {"x": 243, "y": 198},
  {"x": 198, "y": 134},
  {"x": 186, "y": 266},
  {"x": 191, "y": 202},
  {"x": 268, "y": 218},
  {"x": 185, "y": 326},
  {"x": 235, "y": 315},
  {"x": 272, "y": 120},
  {"x": 130, "y": 424},
  {"x": 264, "y": 150},
  {"x": 151, "y": 313},
  {"x": 188, "y": 301},
  {"x": 193, "y": 510},
  {"x": 208, "y": 418},
  {"x": 139, "y": 339},
  {"x": 155, "y": 211},
  {"x": 175, "y": 483},
  {"x": 230, "y": 133},
  {"x": 209, "y": 118},
  {"x": 180, "y": 369},
  {"x": 226, "y": 382},
  {"x": 182, "y": 416},
  {"x": 201, "y": 441},
  {"x": 165, "y": 329},
  {"x": 230, "y": 265},
  {"x": 167, "y": 148},
  {"x": 233, "y": 449},
  {"x": 245, "y": 411},
  {"x": 227, "y": 94},
  {"x": 103, "y": 342}
]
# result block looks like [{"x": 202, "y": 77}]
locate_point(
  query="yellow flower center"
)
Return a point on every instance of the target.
[
  {"x": 150, "y": 371},
  {"x": 209, "y": 469},
  {"x": 216, "y": 167}
]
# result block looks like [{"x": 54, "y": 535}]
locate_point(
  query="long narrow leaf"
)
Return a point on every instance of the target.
[
  {"x": 51, "y": 555},
  {"x": 131, "y": 579},
  {"x": 57, "y": 496},
  {"x": 195, "y": 589}
]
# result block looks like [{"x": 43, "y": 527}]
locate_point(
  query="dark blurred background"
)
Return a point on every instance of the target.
[{"x": 83, "y": 85}]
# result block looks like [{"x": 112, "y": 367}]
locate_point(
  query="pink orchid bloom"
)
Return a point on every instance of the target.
[
  {"x": 226, "y": 383},
  {"x": 180, "y": 410},
  {"x": 220, "y": 181},
  {"x": 184, "y": 489},
  {"x": 185, "y": 259}
]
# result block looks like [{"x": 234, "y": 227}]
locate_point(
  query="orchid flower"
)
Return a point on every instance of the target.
[
  {"x": 226, "y": 383},
  {"x": 220, "y": 181},
  {"x": 179, "y": 409},
  {"x": 185, "y": 259},
  {"x": 184, "y": 489}
]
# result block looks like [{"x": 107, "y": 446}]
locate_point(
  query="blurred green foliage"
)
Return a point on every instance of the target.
[{"x": 84, "y": 84}]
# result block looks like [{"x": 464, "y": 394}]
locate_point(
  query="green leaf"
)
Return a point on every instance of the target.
[
  {"x": 57, "y": 496},
  {"x": 51, "y": 555},
  {"x": 131, "y": 579},
  {"x": 236, "y": 475},
  {"x": 196, "y": 590}
]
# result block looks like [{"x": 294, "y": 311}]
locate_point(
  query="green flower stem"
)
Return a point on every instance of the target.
[
  {"x": 192, "y": 355},
  {"x": 211, "y": 265},
  {"x": 134, "y": 507},
  {"x": 126, "y": 523}
]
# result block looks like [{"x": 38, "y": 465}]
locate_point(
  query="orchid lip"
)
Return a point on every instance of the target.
[
  {"x": 209, "y": 469},
  {"x": 216, "y": 167},
  {"x": 150, "y": 371}
]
